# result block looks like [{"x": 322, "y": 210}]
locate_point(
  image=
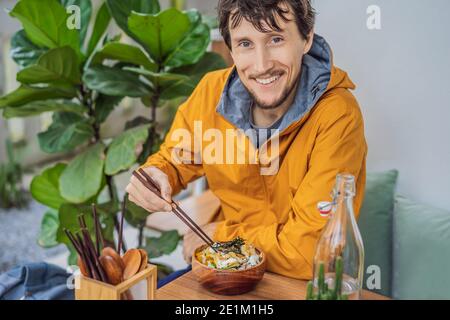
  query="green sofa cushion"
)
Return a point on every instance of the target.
[
  {"x": 375, "y": 224},
  {"x": 421, "y": 245}
]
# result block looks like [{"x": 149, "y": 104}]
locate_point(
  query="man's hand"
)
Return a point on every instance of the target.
[
  {"x": 191, "y": 241},
  {"x": 146, "y": 199}
]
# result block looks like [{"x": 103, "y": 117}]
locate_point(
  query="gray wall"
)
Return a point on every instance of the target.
[{"x": 401, "y": 73}]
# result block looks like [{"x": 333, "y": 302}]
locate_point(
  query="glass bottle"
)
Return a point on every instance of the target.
[{"x": 340, "y": 245}]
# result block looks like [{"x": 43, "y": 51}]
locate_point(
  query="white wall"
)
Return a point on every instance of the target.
[{"x": 403, "y": 86}]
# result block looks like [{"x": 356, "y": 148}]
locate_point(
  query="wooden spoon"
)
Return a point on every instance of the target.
[
  {"x": 108, "y": 251},
  {"x": 113, "y": 270},
  {"x": 144, "y": 259},
  {"x": 82, "y": 267},
  {"x": 132, "y": 260}
]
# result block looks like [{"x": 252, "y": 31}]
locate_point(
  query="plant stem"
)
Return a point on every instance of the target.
[
  {"x": 141, "y": 235},
  {"x": 152, "y": 129},
  {"x": 149, "y": 144},
  {"x": 85, "y": 97}
]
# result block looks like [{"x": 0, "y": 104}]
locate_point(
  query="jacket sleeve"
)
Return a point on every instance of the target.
[
  {"x": 339, "y": 147},
  {"x": 176, "y": 156}
]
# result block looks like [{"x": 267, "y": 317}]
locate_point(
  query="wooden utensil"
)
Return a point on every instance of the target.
[
  {"x": 108, "y": 251},
  {"x": 144, "y": 259},
  {"x": 132, "y": 260},
  {"x": 124, "y": 208},
  {"x": 82, "y": 267},
  {"x": 112, "y": 269},
  {"x": 99, "y": 241}
]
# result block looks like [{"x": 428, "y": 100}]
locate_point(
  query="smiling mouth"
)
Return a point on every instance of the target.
[{"x": 268, "y": 81}]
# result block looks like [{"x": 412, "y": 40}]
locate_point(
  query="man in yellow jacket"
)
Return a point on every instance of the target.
[{"x": 269, "y": 134}]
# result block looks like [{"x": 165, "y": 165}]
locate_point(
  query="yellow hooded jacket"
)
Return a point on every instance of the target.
[{"x": 321, "y": 135}]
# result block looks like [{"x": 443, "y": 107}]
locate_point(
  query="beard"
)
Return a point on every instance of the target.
[{"x": 284, "y": 96}]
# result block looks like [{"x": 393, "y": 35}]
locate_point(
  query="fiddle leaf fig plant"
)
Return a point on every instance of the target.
[{"x": 81, "y": 75}]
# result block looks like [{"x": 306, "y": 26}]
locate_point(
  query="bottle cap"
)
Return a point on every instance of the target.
[{"x": 324, "y": 208}]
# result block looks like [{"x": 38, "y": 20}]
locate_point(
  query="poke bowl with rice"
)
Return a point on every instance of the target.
[{"x": 229, "y": 268}]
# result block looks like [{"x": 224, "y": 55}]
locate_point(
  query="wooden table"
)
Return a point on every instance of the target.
[{"x": 271, "y": 287}]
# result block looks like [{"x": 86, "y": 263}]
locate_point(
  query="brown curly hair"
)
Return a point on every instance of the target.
[{"x": 261, "y": 13}]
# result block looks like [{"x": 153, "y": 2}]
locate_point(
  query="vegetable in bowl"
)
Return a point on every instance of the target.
[{"x": 230, "y": 255}]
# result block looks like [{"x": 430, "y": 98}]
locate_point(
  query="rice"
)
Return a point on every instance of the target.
[{"x": 230, "y": 255}]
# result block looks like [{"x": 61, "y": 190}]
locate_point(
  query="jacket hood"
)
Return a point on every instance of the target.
[{"x": 318, "y": 76}]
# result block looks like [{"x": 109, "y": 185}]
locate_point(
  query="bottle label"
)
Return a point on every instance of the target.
[{"x": 324, "y": 208}]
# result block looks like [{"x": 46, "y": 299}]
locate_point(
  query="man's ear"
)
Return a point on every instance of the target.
[{"x": 309, "y": 42}]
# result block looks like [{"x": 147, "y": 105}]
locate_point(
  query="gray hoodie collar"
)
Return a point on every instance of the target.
[{"x": 235, "y": 101}]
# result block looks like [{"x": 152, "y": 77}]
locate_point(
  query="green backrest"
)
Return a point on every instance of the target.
[
  {"x": 421, "y": 251},
  {"x": 375, "y": 224}
]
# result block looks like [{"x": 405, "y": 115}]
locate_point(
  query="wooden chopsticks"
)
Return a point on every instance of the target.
[
  {"x": 87, "y": 251},
  {"x": 151, "y": 185}
]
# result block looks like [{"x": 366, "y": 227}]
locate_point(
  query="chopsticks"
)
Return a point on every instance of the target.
[
  {"x": 87, "y": 251},
  {"x": 151, "y": 185}
]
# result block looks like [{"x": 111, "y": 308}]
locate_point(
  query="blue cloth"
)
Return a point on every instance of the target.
[
  {"x": 35, "y": 281},
  {"x": 173, "y": 276}
]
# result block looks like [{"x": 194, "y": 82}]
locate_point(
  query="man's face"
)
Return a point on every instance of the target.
[{"x": 269, "y": 64}]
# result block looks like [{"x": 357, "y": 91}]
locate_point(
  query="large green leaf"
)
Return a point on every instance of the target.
[
  {"x": 193, "y": 45},
  {"x": 68, "y": 219},
  {"x": 115, "y": 82},
  {"x": 72, "y": 259},
  {"x": 38, "y": 107},
  {"x": 121, "y": 10},
  {"x": 123, "y": 150},
  {"x": 180, "y": 82},
  {"x": 161, "y": 79},
  {"x": 44, "y": 22},
  {"x": 177, "y": 89},
  {"x": 101, "y": 24},
  {"x": 82, "y": 178},
  {"x": 49, "y": 228},
  {"x": 104, "y": 105},
  {"x": 85, "y": 11},
  {"x": 165, "y": 244},
  {"x": 67, "y": 131},
  {"x": 45, "y": 187},
  {"x": 26, "y": 94},
  {"x": 56, "y": 65},
  {"x": 181, "y": 88},
  {"x": 160, "y": 34},
  {"x": 209, "y": 62},
  {"x": 135, "y": 215},
  {"x": 125, "y": 53},
  {"x": 171, "y": 85},
  {"x": 23, "y": 51}
]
